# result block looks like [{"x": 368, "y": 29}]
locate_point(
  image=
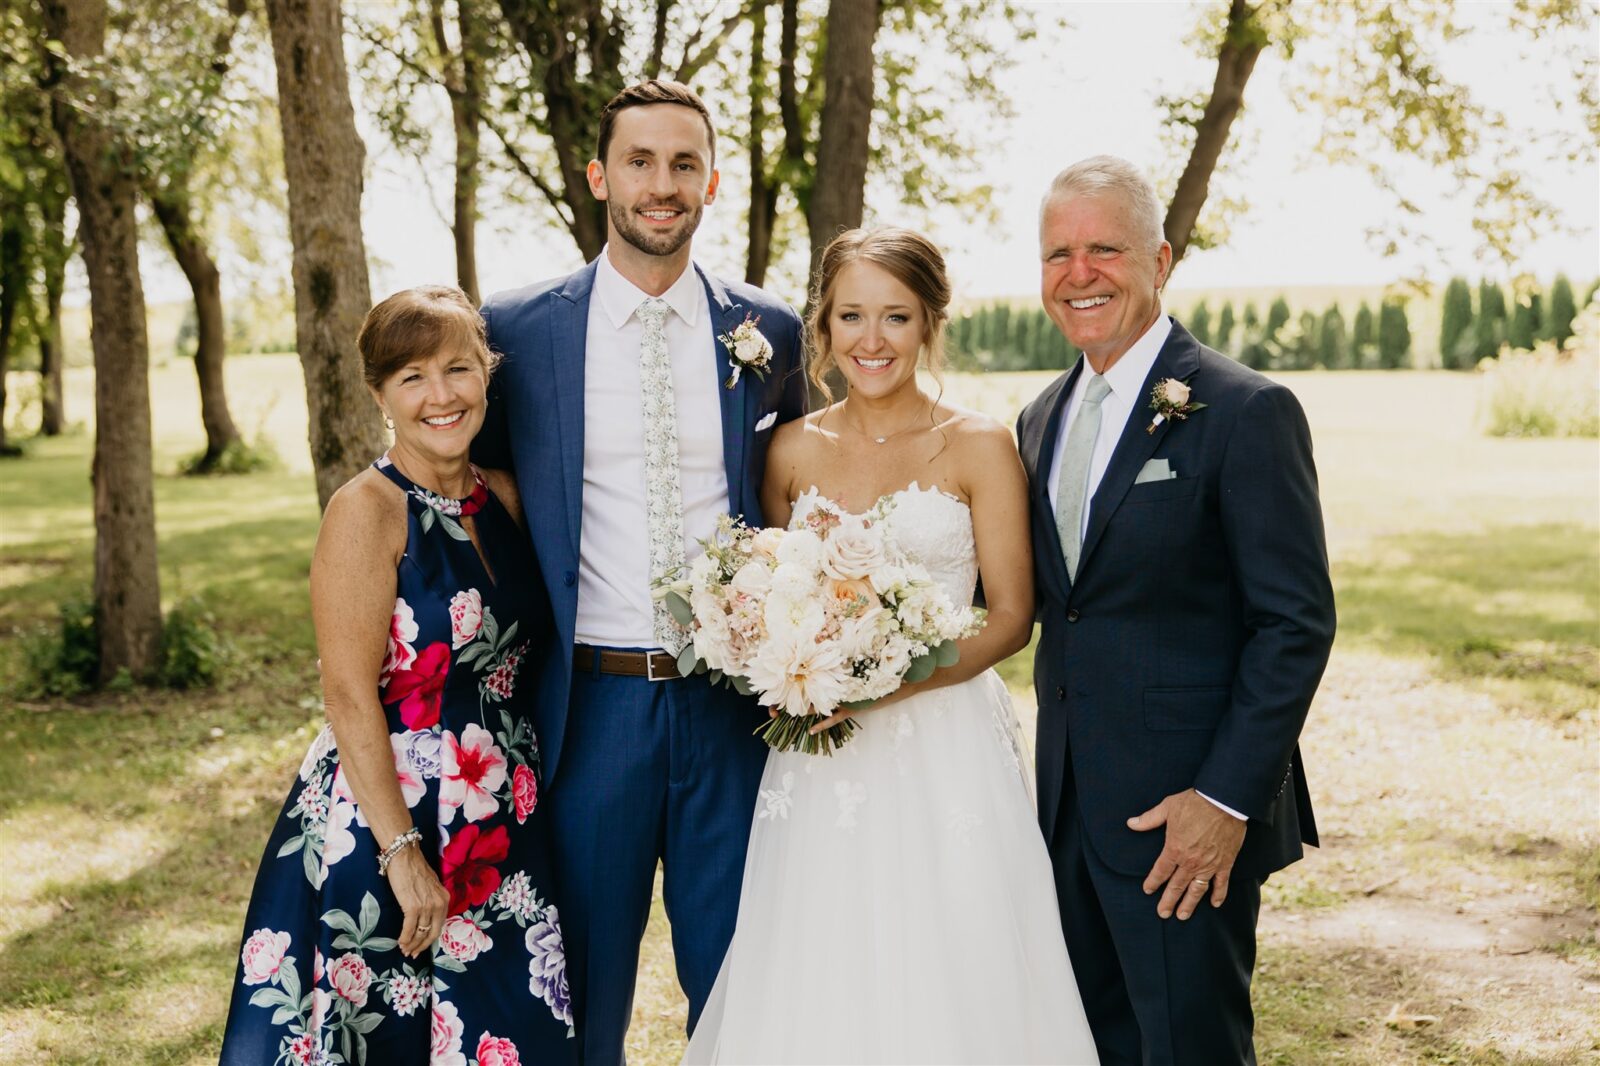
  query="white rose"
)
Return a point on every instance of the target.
[
  {"x": 753, "y": 579},
  {"x": 802, "y": 548},
  {"x": 750, "y": 349},
  {"x": 886, "y": 578},
  {"x": 853, "y": 550},
  {"x": 766, "y": 541},
  {"x": 794, "y": 580},
  {"x": 793, "y": 619},
  {"x": 1175, "y": 392}
]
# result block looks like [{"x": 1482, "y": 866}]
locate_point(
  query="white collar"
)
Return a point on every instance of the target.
[
  {"x": 1128, "y": 374},
  {"x": 620, "y": 298}
]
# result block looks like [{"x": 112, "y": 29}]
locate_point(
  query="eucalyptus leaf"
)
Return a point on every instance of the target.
[
  {"x": 948, "y": 654},
  {"x": 922, "y": 668},
  {"x": 687, "y": 660},
  {"x": 679, "y": 609}
]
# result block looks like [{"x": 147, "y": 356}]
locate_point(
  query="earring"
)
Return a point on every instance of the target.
[{"x": 388, "y": 423}]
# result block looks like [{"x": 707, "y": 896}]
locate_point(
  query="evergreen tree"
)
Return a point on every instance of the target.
[
  {"x": 1394, "y": 336},
  {"x": 1519, "y": 330},
  {"x": 1303, "y": 355},
  {"x": 1253, "y": 353},
  {"x": 1001, "y": 332},
  {"x": 1536, "y": 313},
  {"x": 1277, "y": 317},
  {"x": 982, "y": 341},
  {"x": 1333, "y": 347},
  {"x": 1200, "y": 323},
  {"x": 1363, "y": 339},
  {"x": 1224, "y": 338},
  {"x": 1563, "y": 309},
  {"x": 1455, "y": 325},
  {"x": 1489, "y": 326}
]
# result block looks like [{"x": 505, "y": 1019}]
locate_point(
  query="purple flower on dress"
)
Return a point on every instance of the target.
[
  {"x": 547, "y": 969},
  {"x": 425, "y": 748}
]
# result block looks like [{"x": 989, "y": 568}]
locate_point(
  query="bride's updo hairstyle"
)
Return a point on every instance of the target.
[{"x": 911, "y": 259}]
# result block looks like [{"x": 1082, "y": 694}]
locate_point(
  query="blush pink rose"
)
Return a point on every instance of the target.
[
  {"x": 497, "y": 1051},
  {"x": 262, "y": 955},
  {"x": 1175, "y": 392},
  {"x": 462, "y": 940},
  {"x": 466, "y": 617},
  {"x": 524, "y": 792},
  {"x": 350, "y": 976}
]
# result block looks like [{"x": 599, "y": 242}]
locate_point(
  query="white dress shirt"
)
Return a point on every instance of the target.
[
  {"x": 614, "y": 605},
  {"x": 1126, "y": 378}
]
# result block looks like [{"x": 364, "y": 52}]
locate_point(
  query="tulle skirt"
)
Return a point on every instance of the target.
[{"x": 898, "y": 903}]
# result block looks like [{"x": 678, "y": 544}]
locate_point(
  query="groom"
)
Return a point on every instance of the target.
[
  {"x": 614, "y": 407},
  {"x": 1187, "y": 617}
]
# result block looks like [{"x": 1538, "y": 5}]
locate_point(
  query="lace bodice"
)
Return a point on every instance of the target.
[{"x": 933, "y": 526}]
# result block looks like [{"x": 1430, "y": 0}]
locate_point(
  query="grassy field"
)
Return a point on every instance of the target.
[{"x": 1452, "y": 751}]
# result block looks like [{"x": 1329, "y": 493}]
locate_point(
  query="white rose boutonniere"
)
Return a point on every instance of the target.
[
  {"x": 747, "y": 347},
  {"x": 1170, "y": 399}
]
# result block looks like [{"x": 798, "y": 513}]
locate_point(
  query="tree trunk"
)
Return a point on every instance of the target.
[
  {"x": 763, "y": 190},
  {"x": 322, "y": 160},
  {"x": 463, "y": 83},
  {"x": 839, "y": 195},
  {"x": 13, "y": 287},
  {"x": 51, "y": 356},
  {"x": 205, "y": 281},
  {"x": 127, "y": 589},
  {"x": 1236, "y": 59}
]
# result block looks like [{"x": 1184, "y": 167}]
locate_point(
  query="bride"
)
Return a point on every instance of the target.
[{"x": 898, "y": 903}]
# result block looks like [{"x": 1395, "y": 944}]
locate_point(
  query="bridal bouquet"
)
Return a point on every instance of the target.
[{"x": 830, "y": 613}]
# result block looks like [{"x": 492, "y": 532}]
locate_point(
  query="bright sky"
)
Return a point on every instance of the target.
[{"x": 1082, "y": 90}]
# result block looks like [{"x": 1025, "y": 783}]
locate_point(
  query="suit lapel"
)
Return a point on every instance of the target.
[
  {"x": 1043, "y": 449},
  {"x": 569, "y": 333},
  {"x": 1179, "y": 358},
  {"x": 726, "y": 314}
]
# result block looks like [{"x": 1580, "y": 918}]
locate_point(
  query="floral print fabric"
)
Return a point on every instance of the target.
[{"x": 321, "y": 979}]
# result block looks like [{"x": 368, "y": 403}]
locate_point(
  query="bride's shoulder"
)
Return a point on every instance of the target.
[{"x": 972, "y": 428}]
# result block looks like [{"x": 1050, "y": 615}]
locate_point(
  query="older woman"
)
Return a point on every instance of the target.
[{"x": 402, "y": 912}]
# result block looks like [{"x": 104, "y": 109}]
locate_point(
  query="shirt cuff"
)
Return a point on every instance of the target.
[{"x": 1220, "y": 806}]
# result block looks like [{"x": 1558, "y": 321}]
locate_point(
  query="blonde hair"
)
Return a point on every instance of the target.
[{"x": 911, "y": 259}]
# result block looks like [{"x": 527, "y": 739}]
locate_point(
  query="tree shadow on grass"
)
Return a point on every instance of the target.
[{"x": 1517, "y": 603}]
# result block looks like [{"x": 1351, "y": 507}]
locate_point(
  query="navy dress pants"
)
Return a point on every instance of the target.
[{"x": 650, "y": 771}]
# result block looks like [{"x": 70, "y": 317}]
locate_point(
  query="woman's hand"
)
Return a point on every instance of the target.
[
  {"x": 423, "y": 899},
  {"x": 861, "y": 712}
]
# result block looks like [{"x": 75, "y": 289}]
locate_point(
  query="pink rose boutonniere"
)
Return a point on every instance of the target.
[{"x": 1170, "y": 399}]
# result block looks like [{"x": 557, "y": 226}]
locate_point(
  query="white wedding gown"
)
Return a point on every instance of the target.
[{"x": 898, "y": 904}]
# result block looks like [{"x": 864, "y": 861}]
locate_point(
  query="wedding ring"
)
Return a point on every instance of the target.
[
  {"x": 423, "y": 928},
  {"x": 1202, "y": 881}
]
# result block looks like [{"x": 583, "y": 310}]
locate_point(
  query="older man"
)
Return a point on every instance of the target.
[{"x": 1187, "y": 617}]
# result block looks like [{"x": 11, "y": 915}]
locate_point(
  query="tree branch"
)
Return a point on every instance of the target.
[
  {"x": 693, "y": 62},
  {"x": 658, "y": 42}
]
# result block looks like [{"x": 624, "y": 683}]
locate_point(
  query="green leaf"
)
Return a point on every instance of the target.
[
  {"x": 369, "y": 915},
  {"x": 452, "y": 527},
  {"x": 341, "y": 921},
  {"x": 947, "y": 653},
  {"x": 441, "y": 961},
  {"x": 922, "y": 668},
  {"x": 857, "y": 705},
  {"x": 283, "y": 1015},
  {"x": 679, "y": 608},
  {"x": 688, "y": 662},
  {"x": 426, "y": 519},
  {"x": 269, "y": 997},
  {"x": 379, "y": 943},
  {"x": 365, "y": 1023},
  {"x": 289, "y": 978},
  {"x": 741, "y": 686},
  {"x": 715, "y": 677},
  {"x": 291, "y": 845},
  {"x": 313, "y": 865}
]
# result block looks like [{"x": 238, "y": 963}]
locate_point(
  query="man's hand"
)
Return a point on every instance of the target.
[{"x": 1202, "y": 842}]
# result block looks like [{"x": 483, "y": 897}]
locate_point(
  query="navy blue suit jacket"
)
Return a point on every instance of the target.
[
  {"x": 1188, "y": 650},
  {"x": 535, "y": 428}
]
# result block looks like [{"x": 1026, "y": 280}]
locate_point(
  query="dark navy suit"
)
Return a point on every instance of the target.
[
  {"x": 634, "y": 771},
  {"x": 1185, "y": 655}
]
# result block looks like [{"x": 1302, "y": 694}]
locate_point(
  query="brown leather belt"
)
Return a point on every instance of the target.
[{"x": 654, "y": 665}]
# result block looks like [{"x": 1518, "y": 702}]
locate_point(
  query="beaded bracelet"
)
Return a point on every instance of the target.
[{"x": 410, "y": 838}]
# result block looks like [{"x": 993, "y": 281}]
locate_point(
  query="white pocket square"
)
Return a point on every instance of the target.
[
  {"x": 1155, "y": 470},
  {"x": 766, "y": 423}
]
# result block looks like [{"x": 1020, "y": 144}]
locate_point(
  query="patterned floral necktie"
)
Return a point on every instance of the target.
[{"x": 663, "y": 493}]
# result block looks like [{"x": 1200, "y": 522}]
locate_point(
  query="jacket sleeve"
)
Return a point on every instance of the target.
[
  {"x": 1272, "y": 524},
  {"x": 492, "y": 446},
  {"x": 794, "y": 399}
]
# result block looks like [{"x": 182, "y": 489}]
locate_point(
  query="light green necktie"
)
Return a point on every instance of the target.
[{"x": 1072, "y": 485}]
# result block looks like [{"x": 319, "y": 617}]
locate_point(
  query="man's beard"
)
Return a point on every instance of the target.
[{"x": 629, "y": 229}]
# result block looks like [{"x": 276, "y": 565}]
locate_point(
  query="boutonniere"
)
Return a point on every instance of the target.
[
  {"x": 1170, "y": 399},
  {"x": 747, "y": 347}
]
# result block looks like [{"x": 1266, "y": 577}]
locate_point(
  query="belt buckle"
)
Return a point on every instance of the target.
[{"x": 650, "y": 668}]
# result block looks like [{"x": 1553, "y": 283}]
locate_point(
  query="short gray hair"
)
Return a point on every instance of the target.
[{"x": 1108, "y": 174}]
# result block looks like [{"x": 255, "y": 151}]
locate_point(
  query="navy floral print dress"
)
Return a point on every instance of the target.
[{"x": 320, "y": 978}]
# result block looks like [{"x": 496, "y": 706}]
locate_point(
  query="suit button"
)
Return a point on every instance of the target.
[
  {"x": 1061, "y": 692},
  {"x": 1072, "y": 614},
  {"x": 569, "y": 579}
]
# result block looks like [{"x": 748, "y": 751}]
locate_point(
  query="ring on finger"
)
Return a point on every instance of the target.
[{"x": 1201, "y": 881}]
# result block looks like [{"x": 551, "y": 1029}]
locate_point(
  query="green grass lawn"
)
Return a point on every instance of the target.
[{"x": 1452, "y": 751}]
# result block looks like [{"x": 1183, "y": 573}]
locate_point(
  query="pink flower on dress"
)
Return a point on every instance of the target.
[
  {"x": 262, "y": 955},
  {"x": 402, "y": 631},
  {"x": 524, "y": 792},
  {"x": 497, "y": 1051},
  {"x": 302, "y": 1050},
  {"x": 474, "y": 770},
  {"x": 468, "y": 865},
  {"x": 462, "y": 939},
  {"x": 419, "y": 686},
  {"x": 466, "y": 617},
  {"x": 350, "y": 976},
  {"x": 447, "y": 1030}
]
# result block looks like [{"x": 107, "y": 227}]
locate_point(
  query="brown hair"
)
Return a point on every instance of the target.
[
  {"x": 418, "y": 323},
  {"x": 911, "y": 259},
  {"x": 654, "y": 91}
]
